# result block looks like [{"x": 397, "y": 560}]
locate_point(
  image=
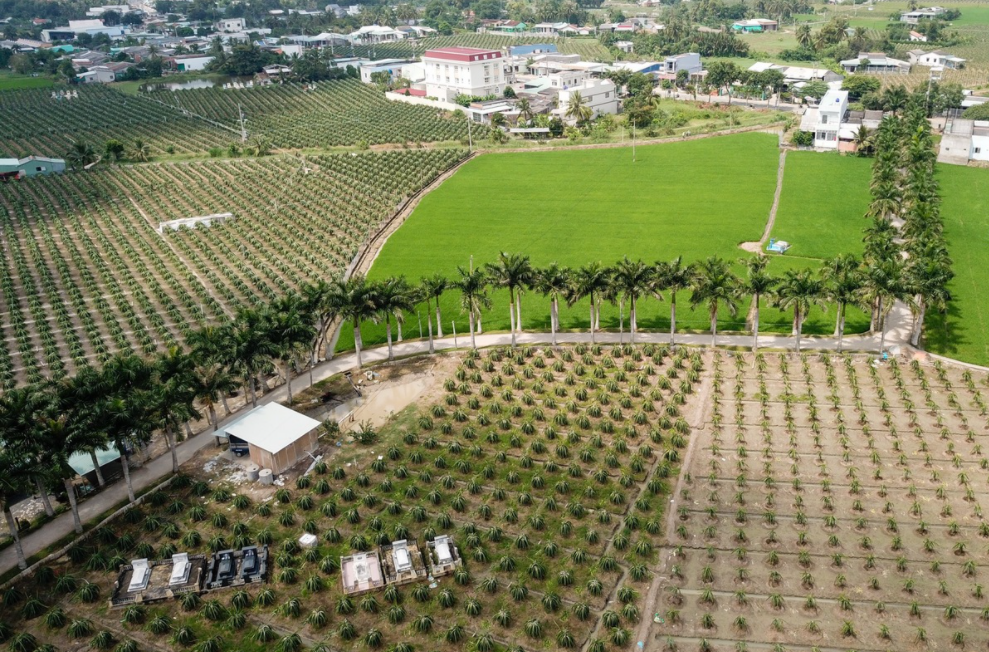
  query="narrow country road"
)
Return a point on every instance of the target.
[{"x": 898, "y": 334}]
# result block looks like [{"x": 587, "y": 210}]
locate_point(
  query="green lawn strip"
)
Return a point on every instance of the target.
[
  {"x": 964, "y": 332},
  {"x": 13, "y": 82}
]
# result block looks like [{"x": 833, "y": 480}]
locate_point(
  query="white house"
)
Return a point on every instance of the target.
[
  {"x": 830, "y": 114},
  {"x": 875, "y": 62},
  {"x": 190, "y": 62},
  {"x": 77, "y": 27},
  {"x": 458, "y": 70},
  {"x": 915, "y": 16},
  {"x": 231, "y": 25},
  {"x": 917, "y": 37},
  {"x": 691, "y": 62},
  {"x": 936, "y": 58},
  {"x": 104, "y": 74},
  {"x": 370, "y": 34},
  {"x": 96, "y": 12},
  {"x": 600, "y": 95},
  {"x": 550, "y": 29},
  {"x": 963, "y": 141}
]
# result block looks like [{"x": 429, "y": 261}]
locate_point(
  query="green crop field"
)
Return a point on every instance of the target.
[
  {"x": 16, "y": 82},
  {"x": 964, "y": 332},
  {"x": 695, "y": 199}
]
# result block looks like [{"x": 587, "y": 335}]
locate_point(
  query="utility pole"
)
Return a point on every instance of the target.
[
  {"x": 633, "y": 141},
  {"x": 243, "y": 129},
  {"x": 470, "y": 137}
]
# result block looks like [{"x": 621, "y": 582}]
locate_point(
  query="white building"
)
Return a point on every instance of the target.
[
  {"x": 875, "y": 62},
  {"x": 371, "y": 34},
  {"x": 96, "y": 12},
  {"x": 191, "y": 62},
  {"x": 936, "y": 58},
  {"x": 463, "y": 71},
  {"x": 830, "y": 114},
  {"x": 78, "y": 27},
  {"x": 963, "y": 141},
  {"x": 231, "y": 25},
  {"x": 599, "y": 95},
  {"x": 691, "y": 62},
  {"x": 915, "y": 16}
]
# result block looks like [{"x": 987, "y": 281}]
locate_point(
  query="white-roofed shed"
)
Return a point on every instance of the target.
[{"x": 277, "y": 436}]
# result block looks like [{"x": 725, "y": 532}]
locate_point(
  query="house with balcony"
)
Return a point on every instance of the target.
[
  {"x": 457, "y": 71},
  {"x": 875, "y": 63}
]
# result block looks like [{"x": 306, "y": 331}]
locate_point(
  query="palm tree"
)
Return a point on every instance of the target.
[
  {"x": 554, "y": 281},
  {"x": 433, "y": 287},
  {"x": 394, "y": 298},
  {"x": 799, "y": 290},
  {"x": 212, "y": 383},
  {"x": 885, "y": 283},
  {"x": 841, "y": 278},
  {"x": 714, "y": 285},
  {"x": 674, "y": 277},
  {"x": 928, "y": 277},
  {"x": 174, "y": 394},
  {"x": 358, "y": 303},
  {"x": 250, "y": 349},
  {"x": 140, "y": 150},
  {"x": 577, "y": 110},
  {"x": 473, "y": 284},
  {"x": 16, "y": 461},
  {"x": 289, "y": 328},
  {"x": 125, "y": 409},
  {"x": 321, "y": 300},
  {"x": 632, "y": 280},
  {"x": 591, "y": 281},
  {"x": 259, "y": 145},
  {"x": 804, "y": 38},
  {"x": 81, "y": 155},
  {"x": 757, "y": 283},
  {"x": 512, "y": 271},
  {"x": 525, "y": 110}
]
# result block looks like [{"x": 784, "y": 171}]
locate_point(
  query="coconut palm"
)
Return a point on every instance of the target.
[
  {"x": 928, "y": 276},
  {"x": 473, "y": 286},
  {"x": 512, "y": 271},
  {"x": 357, "y": 303},
  {"x": 804, "y": 38},
  {"x": 125, "y": 410},
  {"x": 433, "y": 287},
  {"x": 16, "y": 462},
  {"x": 212, "y": 382},
  {"x": 174, "y": 392},
  {"x": 321, "y": 300},
  {"x": 886, "y": 283},
  {"x": 633, "y": 279},
  {"x": 525, "y": 110},
  {"x": 841, "y": 278},
  {"x": 799, "y": 290},
  {"x": 715, "y": 286},
  {"x": 80, "y": 155},
  {"x": 591, "y": 281},
  {"x": 394, "y": 298},
  {"x": 577, "y": 109},
  {"x": 674, "y": 277},
  {"x": 289, "y": 329},
  {"x": 554, "y": 281},
  {"x": 758, "y": 283},
  {"x": 140, "y": 150},
  {"x": 250, "y": 350}
]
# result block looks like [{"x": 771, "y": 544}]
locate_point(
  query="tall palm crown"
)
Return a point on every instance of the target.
[
  {"x": 715, "y": 286},
  {"x": 357, "y": 300},
  {"x": 799, "y": 290}
]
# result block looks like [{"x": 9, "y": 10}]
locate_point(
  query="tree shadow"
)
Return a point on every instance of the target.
[{"x": 942, "y": 331}]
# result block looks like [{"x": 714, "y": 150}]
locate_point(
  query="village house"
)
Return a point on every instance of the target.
[{"x": 875, "y": 62}]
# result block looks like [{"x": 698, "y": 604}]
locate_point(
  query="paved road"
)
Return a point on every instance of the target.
[{"x": 153, "y": 472}]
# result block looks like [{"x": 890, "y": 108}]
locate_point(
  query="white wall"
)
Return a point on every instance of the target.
[
  {"x": 980, "y": 143},
  {"x": 446, "y": 79}
]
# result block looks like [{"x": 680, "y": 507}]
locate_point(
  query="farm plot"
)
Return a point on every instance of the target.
[
  {"x": 86, "y": 273},
  {"x": 835, "y": 503},
  {"x": 549, "y": 467},
  {"x": 331, "y": 114},
  {"x": 33, "y": 121}
]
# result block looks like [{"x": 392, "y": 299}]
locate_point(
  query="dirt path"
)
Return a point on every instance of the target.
[
  {"x": 697, "y": 420},
  {"x": 756, "y": 247}
]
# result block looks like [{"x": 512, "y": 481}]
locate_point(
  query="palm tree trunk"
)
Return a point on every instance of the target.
[
  {"x": 170, "y": 439},
  {"x": 841, "y": 325},
  {"x": 357, "y": 343},
  {"x": 554, "y": 318},
  {"x": 882, "y": 326},
  {"x": 43, "y": 493},
  {"x": 755, "y": 326},
  {"x": 126, "y": 468},
  {"x": 288, "y": 380},
  {"x": 714, "y": 327},
  {"x": 631, "y": 319},
  {"x": 511, "y": 313},
  {"x": 429, "y": 327},
  {"x": 480, "y": 326},
  {"x": 96, "y": 466},
  {"x": 252, "y": 391},
  {"x": 12, "y": 526},
  {"x": 518, "y": 313},
  {"x": 226, "y": 407},
  {"x": 70, "y": 491},
  {"x": 398, "y": 323},
  {"x": 800, "y": 327},
  {"x": 391, "y": 354},
  {"x": 470, "y": 322},
  {"x": 621, "y": 320},
  {"x": 597, "y": 314},
  {"x": 673, "y": 319},
  {"x": 439, "y": 319},
  {"x": 592, "y": 321},
  {"x": 212, "y": 417},
  {"x": 918, "y": 326}
]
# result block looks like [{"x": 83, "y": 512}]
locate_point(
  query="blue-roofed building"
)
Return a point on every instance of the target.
[{"x": 535, "y": 48}]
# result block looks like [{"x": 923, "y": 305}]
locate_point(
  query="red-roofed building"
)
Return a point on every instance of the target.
[{"x": 463, "y": 71}]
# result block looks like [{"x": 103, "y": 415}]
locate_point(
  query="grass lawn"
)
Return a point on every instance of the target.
[
  {"x": 694, "y": 199},
  {"x": 16, "y": 82},
  {"x": 813, "y": 216},
  {"x": 964, "y": 332}
]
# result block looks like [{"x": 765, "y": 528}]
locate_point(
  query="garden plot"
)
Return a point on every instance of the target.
[
  {"x": 832, "y": 503},
  {"x": 549, "y": 467}
]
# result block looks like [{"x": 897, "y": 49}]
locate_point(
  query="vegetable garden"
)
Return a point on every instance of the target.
[
  {"x": 327, "y": 114},
  {"x": 548, "y": 466},
  {"x": 832, "y": 503},
  {"x": 85, "y": 272}
]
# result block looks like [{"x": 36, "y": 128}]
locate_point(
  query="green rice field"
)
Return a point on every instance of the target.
[{"x": 695, "y": 199}]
